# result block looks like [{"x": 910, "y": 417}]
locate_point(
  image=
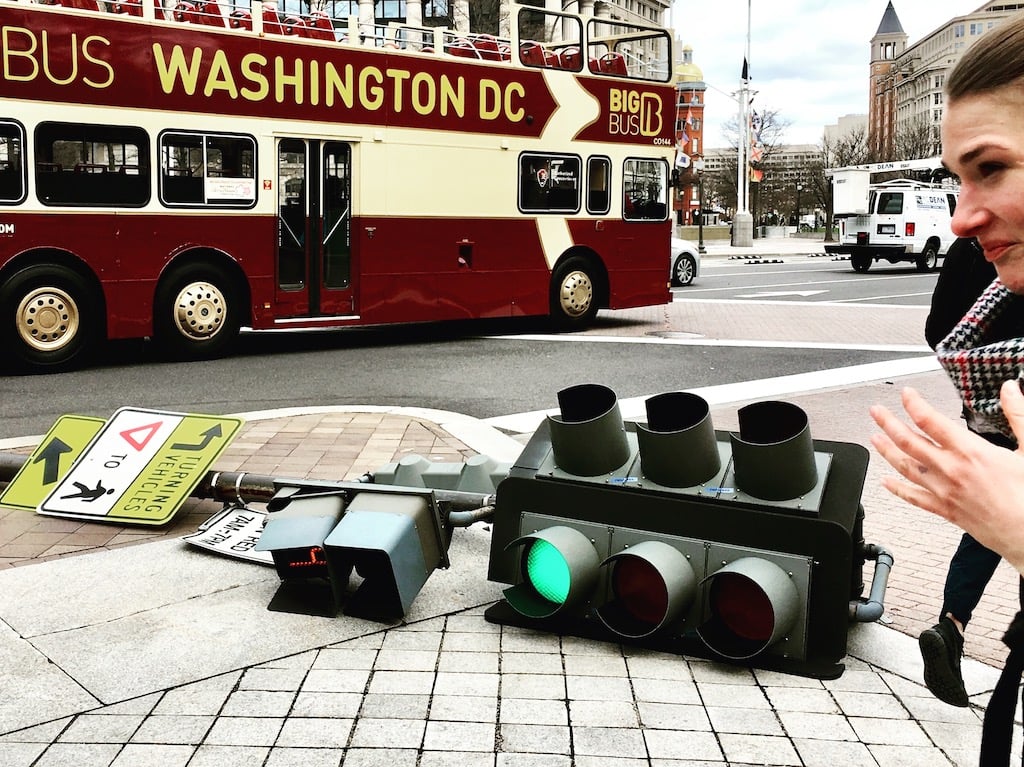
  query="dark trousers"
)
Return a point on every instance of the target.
[{"x": 970, "y": 570}]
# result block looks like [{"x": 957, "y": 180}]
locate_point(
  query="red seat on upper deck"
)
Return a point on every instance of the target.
[
  {"x": 240, "y": 19},
  {"x": 319, "y": 26},
  {"x": 82, "y": 5},
  {"x": 569, "y": 58},
  {"x": 531, "y": 54},
  {"x": 487, "y": 47},
  {"x": 613, "y": 64},
  {"x": 209, "y": 13},
  {"x": 462, "y": 48},
  {"x": 272, "y": 22}
]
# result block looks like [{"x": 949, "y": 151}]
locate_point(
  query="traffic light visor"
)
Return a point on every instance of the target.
[
  {"x": 652, "y": 586},
  {"x": 558, "y": 567},
  {"x": 752, "y": 604}
]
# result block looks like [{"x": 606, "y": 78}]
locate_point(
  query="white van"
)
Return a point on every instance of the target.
[{"x": 904, "y": 221}]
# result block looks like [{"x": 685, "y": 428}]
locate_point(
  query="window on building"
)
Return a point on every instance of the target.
[
  {"x": 958, "y": 30},
  {"x": 436, "y": 11},
  {"x": 338, "y": 9}
]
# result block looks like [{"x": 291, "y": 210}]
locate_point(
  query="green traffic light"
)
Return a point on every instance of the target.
[{"x": 548, "y": 572}]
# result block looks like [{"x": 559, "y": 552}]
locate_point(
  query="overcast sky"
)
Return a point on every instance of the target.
[{"x": 809, "y": 59}]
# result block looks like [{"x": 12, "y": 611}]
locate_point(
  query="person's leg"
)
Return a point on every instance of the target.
[
  {"x": 942, "y": 645},
  {"x": 970, "y": 570}
]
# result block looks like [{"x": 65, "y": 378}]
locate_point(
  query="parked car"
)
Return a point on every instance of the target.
[{"x": 684, "y": 263}]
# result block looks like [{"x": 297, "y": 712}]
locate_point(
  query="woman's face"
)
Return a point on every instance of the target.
[{"x": 983, "y": 143}]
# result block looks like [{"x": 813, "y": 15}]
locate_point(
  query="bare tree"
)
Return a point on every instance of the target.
[
  {"x": 767, "y": 130},
  {"x": 920, "y": 138},
  {"x": 849, "y": 149}
]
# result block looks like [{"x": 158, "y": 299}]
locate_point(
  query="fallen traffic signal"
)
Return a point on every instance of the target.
[
  {"x": 391, "y": 538},
  {"x": 740, "y": 546}
]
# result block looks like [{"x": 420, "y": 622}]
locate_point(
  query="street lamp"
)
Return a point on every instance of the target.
[
  {"x": 698, "y": 169},
  {"x": 799, "y": 186}
]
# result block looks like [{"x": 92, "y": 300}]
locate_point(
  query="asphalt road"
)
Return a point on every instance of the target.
[{"x": 482, "y": 369}]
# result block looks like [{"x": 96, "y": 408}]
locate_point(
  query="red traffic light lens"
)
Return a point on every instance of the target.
[
  {"x": 742, "y": 607},
  {"x": 640, "y": 589}
]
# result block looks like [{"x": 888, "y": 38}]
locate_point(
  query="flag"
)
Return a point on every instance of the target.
[
  {"x": 689, "y": 116},
  {"x": 682, "y": 159},
  {"x": 684, "y": 139},
  {"x": 756, "y": 175},
  {"x": 746, "y": 70},
  {"x": 757, "y": 152}
]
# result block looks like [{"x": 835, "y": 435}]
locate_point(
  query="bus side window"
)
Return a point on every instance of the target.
[
  {"x": 549, "y": 183},
  {"x": 79, "y": 164},
  {"x": 645, "y": 188},
  {"x": 12, "y": 169},
  {"x": 199, "y": 169},
  {"x": 598, "y": 179}
]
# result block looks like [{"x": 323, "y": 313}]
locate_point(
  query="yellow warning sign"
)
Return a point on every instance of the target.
[
  {"x": 141, "y": 467},
  {"x": 50, "y": 461}
]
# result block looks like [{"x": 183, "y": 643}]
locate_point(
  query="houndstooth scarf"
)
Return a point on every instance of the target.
[{"x": 978, "y": 365}]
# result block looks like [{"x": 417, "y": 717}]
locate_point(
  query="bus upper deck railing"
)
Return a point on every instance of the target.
[{"x": 264, "y": 19}]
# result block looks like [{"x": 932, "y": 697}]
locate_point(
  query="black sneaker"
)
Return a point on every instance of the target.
[{"x": 941, "y": 648}]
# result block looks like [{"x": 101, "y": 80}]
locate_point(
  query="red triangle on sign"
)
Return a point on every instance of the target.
[{"x": 146, "y": 431}]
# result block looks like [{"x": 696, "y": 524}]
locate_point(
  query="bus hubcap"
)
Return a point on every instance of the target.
[
  {"x": 199, "y": 311},
  {"x": 47, "y": 319},
  {"x": 577, "y": 294}
]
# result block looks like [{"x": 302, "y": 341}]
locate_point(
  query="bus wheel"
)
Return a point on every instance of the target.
[
  {"x": 573, "y": 294},
  {"x": 928, "y": 259},
  {"x": 50, "y": 318},
  {"x": 860, "y": 263},
  {"x": 197, "y": 316}
]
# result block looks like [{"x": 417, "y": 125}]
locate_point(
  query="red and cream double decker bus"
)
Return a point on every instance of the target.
[{"x": 181, "y": 172}]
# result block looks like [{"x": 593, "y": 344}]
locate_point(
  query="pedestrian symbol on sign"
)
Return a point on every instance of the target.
[{"x": 89, "y": 494}]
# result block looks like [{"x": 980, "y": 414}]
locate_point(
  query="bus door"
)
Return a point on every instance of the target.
[{"x": 314, "y": 213}]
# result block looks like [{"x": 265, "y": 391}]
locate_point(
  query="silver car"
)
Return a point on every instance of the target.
[{"x": 684, "y": 264}]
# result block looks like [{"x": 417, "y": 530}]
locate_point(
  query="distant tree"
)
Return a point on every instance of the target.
[
  {"x": 849, "y": 149},
  {"x": 918, "y": 139},
  {"x": 767, "y": 134}
]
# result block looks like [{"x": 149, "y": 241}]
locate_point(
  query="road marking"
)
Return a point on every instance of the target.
[
  {"x": 781, "y": 293},
  {"x": 733, "y": 343}
]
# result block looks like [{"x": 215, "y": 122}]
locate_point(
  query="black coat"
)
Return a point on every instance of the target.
[{"x": 965, "y": 274}]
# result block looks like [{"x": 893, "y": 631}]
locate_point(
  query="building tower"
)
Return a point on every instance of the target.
[
  {"x": 888, "y": 43},
  {"x": 690, "y": 87}
]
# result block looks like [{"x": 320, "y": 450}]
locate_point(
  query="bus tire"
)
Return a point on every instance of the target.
[
  {"x": 574, "y": 294},
  {"x": 860, "y": 263},
  {"x": 51, "y": 319},
  {"x": 197, "y": 315},
  {"x": 928, "y": 259}
]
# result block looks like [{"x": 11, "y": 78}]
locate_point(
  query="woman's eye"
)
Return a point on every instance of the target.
[{"x": 988, "y": 168}]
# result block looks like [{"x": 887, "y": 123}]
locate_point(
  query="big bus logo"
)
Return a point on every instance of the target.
[{"x": 633, "y": 113}]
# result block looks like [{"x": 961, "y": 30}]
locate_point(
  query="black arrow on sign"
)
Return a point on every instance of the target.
[
  {"x": 50, "y": 456},
  {"x": 208, "y": 435}
]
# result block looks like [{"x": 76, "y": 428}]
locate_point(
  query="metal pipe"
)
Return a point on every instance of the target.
[
  {"x": 245, "y": 487},
  {"x": 872, "y": 609}
]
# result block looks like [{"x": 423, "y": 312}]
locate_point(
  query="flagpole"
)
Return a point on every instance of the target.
[{"x": 743, "y": 224}]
